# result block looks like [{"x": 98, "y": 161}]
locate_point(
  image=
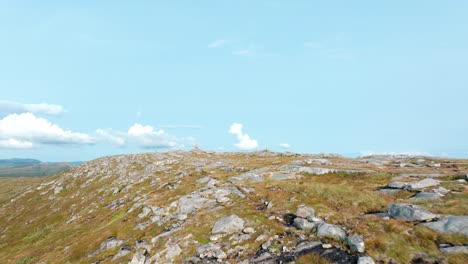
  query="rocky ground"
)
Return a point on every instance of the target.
[{"x": 262, "y": 207}]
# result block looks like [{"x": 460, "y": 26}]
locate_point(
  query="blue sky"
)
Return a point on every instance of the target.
[{"x": 348, "y": 77}]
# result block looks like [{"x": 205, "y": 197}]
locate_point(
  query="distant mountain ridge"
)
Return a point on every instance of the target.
[
  {"x": 18, "y": 162},
  {"x": 32, "y": 168}
]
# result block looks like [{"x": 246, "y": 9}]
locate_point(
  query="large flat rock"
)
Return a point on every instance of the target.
[{"x": 450, "y": 224}]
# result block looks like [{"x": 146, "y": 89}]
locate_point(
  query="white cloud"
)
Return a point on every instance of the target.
[
  {"x": 245, "y": 142},
  {"x": 26, "y": 129},
  {"x": 285, "y": 145},
  {"x": 111, "y": 136},
  {"x": 9, "y": 107},
  {"x": 148, "y": 137},
  {"x": 12, "y": 143},
  {"x": 217, "y": 43}
]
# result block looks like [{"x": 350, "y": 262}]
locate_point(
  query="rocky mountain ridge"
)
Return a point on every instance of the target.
[{"x": 262, "y": 207}]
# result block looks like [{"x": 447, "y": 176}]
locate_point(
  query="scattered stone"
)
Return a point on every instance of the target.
[
  {"x": 58, "y": 189},
  {"x": 365, "y": 260},
  {"x": 125, "y": 250},
  {"x": 450, "y": 224},
  {"x": 441, "y": 190},
  {"x": 305, "y": 245},
  {"x": 426, "y": 196},
  {"x": 139, "y": 257},
  {"x": 422, "y": 184},
  {"x": 172, "y": 251},
  {"x": 410, "y": 212},
  {"x": 144, "y": 212},
  {"x": 356, "y": 243},
  {"x": 182, "y": 217},
  {"x": 314, "y": 219},
  {"x": 220, "y": 255},
  {"x": 204, "y": 179},
  {"x": 230, "y": 224},
  {"x": 397, "y": 185},
  {"x": 333, "y": 231},
  {"x": 208, "y": 250},
  {"x": 303, "y": 224},
  {"x": 327, "y": 246},
  {"x": 110, "y": 243},
  {"x": 266, "y": 245},
  {"x": 304, "y": 211},
  {"x": 248, "y": 230}
]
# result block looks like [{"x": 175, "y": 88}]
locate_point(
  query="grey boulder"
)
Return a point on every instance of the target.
[
  {"x": 228, "y": 225},
  {"x": 332, "y": 231},
  {"x": 303, "y": 224},
  {"x": 410, "y": 212},
  {"x": 450, "y": 224},
  {"x": 356, "y": 243},
  {"x": 304, "y": 211},
  {"x": 422, "y": 184},
  {"x": 365, "y": 260}
]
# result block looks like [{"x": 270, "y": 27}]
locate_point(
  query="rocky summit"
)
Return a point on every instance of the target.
[{"x": 260, "y": 207}]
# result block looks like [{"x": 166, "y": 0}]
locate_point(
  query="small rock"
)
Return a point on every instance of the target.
[
  {"x": 356, "y": 243},
  {"x": 216, "y": 237},
  {"x": 182, "y": 217},
  {"x": 248, "y": 230},
  {"x": 441, "y": 190},
  {"x": 333, "y": 231},
  {"x": 304, "y": 211},
  {"x": 307, "y": 245},
  {"x": 220, "y": 255},
  {"x": 314, "y": 219},
  {"x": 327, "y": 246},
  {"x": 266, "y": 245},
  {"x": 365, "y": 260},
  {"x": 139, "y": 257},
  {"x": 426, "y": 196},
  {"x": 303, "y": 224},
  {"x": 230, "y": 224},
  {"x": 223, "y": 200}
]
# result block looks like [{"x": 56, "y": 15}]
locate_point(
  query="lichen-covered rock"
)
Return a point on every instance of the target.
[{"x": 228, "y": 225}]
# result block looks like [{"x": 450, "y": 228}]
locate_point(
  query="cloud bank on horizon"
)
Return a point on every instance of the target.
[{"x": 23, "y": 128}]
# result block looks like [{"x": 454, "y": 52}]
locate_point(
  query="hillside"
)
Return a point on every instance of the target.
[
  {"x": 31, "y": 168},
  {"x": 262, "y": 207}
]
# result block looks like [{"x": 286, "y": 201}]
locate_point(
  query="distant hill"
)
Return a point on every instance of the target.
[
  {"x": 18, "y": 162},
  {"x": 32, "y": 167}
]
